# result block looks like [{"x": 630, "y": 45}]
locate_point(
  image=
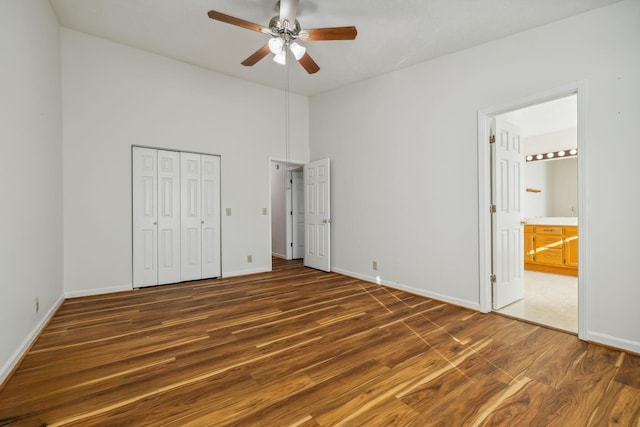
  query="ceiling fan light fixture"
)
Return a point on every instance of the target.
[
  {"x": 275, "y": 45},
  {"x": 297, "y": 50},
  {"x": 281, "y": 57},
  {"x": 284, "y": 30}
]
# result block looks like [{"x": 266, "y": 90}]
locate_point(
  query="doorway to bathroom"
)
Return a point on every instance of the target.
[
  {"x": 536, "y": 260},
  {"x": 549, "y": 213}
]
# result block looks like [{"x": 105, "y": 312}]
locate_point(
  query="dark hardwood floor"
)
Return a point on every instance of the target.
[{"x": 298, "y": 347}]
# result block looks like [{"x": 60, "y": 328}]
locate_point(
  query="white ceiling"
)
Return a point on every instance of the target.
[
  {"x": 392, "y": 34},
  {"x": 550, "y": 126},
  {"x": 553, "y": 116}
]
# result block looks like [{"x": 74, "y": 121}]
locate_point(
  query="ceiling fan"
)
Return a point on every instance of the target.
[{"x": 285, "y": 32}]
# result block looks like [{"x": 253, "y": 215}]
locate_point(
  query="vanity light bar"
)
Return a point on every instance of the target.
[{"x": 573, "y": 152}]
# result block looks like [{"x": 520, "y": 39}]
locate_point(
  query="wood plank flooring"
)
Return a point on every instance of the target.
[{"x": 298, "y": 347}]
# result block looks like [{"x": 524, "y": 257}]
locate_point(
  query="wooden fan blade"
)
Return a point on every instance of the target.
[
  {"x": 256, "y": 56},
  {"x": 308, "y": 64},
  {"x": 237, "y": 22},
  {"x": 335, "y": 33},
  {"x": 288, "y": 10}
]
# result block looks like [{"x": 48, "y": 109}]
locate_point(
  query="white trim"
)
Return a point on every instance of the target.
[
  {"x": 245, "y": 272},
  {"x": 618, "y": 343},
  {"x": 98, "y": 291},
  {"x": 484, "y": 219},
  {"x": 583, "y": 231},
  {"x": 17, "y": 355},
  {"x": 484, "y": 194},
  {"x": 395, "y": 285}
]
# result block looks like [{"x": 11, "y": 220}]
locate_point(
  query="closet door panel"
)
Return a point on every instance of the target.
[
  {"x": 210, "y": 216},
  {"x": 168, "y": 217},
  {"x": 145, "y": 228},
  {"x": 191, "y": 216}
]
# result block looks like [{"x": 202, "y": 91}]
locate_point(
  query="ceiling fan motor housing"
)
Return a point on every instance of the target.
[{"x": 283, "y": 29}]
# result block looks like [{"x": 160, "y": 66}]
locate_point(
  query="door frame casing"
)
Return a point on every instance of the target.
[{"x": 484, "y": 192}]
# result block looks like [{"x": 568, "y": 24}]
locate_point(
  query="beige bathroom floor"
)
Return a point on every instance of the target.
[{"x": 549, "y": 299}]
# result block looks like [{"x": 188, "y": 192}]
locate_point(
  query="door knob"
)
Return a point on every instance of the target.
[
  {"x": 326, "y": 221},
  {"x": 523, "y": 222}
]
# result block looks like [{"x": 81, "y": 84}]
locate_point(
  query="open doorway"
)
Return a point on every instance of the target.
[
  {"x": 487, "y": 120},
  {"x": 549, "y": 213},
  {"x": 300, "y": 196},
  {"x": 287, "y": 210}
]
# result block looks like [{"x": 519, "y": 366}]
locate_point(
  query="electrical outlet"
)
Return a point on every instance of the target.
[
  {"x": 228, "y": 211},
  {"x": 249, "y": 258},
  {"x": 37, "y": 304},
  {"x": 374, "y": 265}
]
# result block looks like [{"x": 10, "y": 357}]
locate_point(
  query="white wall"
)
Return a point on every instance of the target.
[
  {"x": 30, "y": 174},
  {"x": 538, "y": 176},
  {"x": 553, "y": 141},
  {"x": 404, "y": 156},
  {"x": 114, "y": 97},
  {"x": 557, "y": 181},
  {"x": 565, "y": 187}
]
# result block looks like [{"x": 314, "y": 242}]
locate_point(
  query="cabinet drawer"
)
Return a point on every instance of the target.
[
  {"x": 540, "y": 229},
  {"x": 570, "y": 231},
  {"x": 548, "y": 241},
  {"x": 549, "y": 256}
]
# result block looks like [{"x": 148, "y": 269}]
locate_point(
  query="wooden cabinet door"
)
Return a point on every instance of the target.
[{"x": 571, "y": 246}]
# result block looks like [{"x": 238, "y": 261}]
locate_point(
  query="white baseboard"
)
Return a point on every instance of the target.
[
  {"x": 245, "y": 272},
  {"x": 277, "y": 255},
  {"x": 98, "y": 291},
  {"x": 433, "y": 295},
  {"x": 616, "y": 342},
  {"x": 17, "y": 355},
  {"x": 598, "y": 338}
]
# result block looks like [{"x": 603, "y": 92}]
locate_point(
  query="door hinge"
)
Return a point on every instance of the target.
[
  {"x": 492, "y": 209},
  {"x": 290, "y": 212},
  {"x": 492, "y": 278},
  {"x": 290, "y": 181},
  {"x": 492, "y": 139},
  {"x": 291, "y": 244}
]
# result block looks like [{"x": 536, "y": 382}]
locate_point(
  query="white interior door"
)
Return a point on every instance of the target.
[
  {"x": 190, "y": 216},
  {"x": 507, "y": 189},
  {"x": 297, "y": 214},
  {"x": 317, "y": 218},
  {"x": 211, "y": 259},
  {"x": 168, "y": 217},
  {"x": 145, "y": 221}
]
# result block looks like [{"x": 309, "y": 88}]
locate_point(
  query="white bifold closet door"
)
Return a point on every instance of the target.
[
  {"x": 156, "y": 217},
  {"x": 211, "y": 256},
  {"x": 200, "y": 219},
  {"x": 165, "y": 198}
]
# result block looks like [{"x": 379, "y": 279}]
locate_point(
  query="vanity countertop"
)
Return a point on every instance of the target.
[{"x": 552, "y": 220}]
